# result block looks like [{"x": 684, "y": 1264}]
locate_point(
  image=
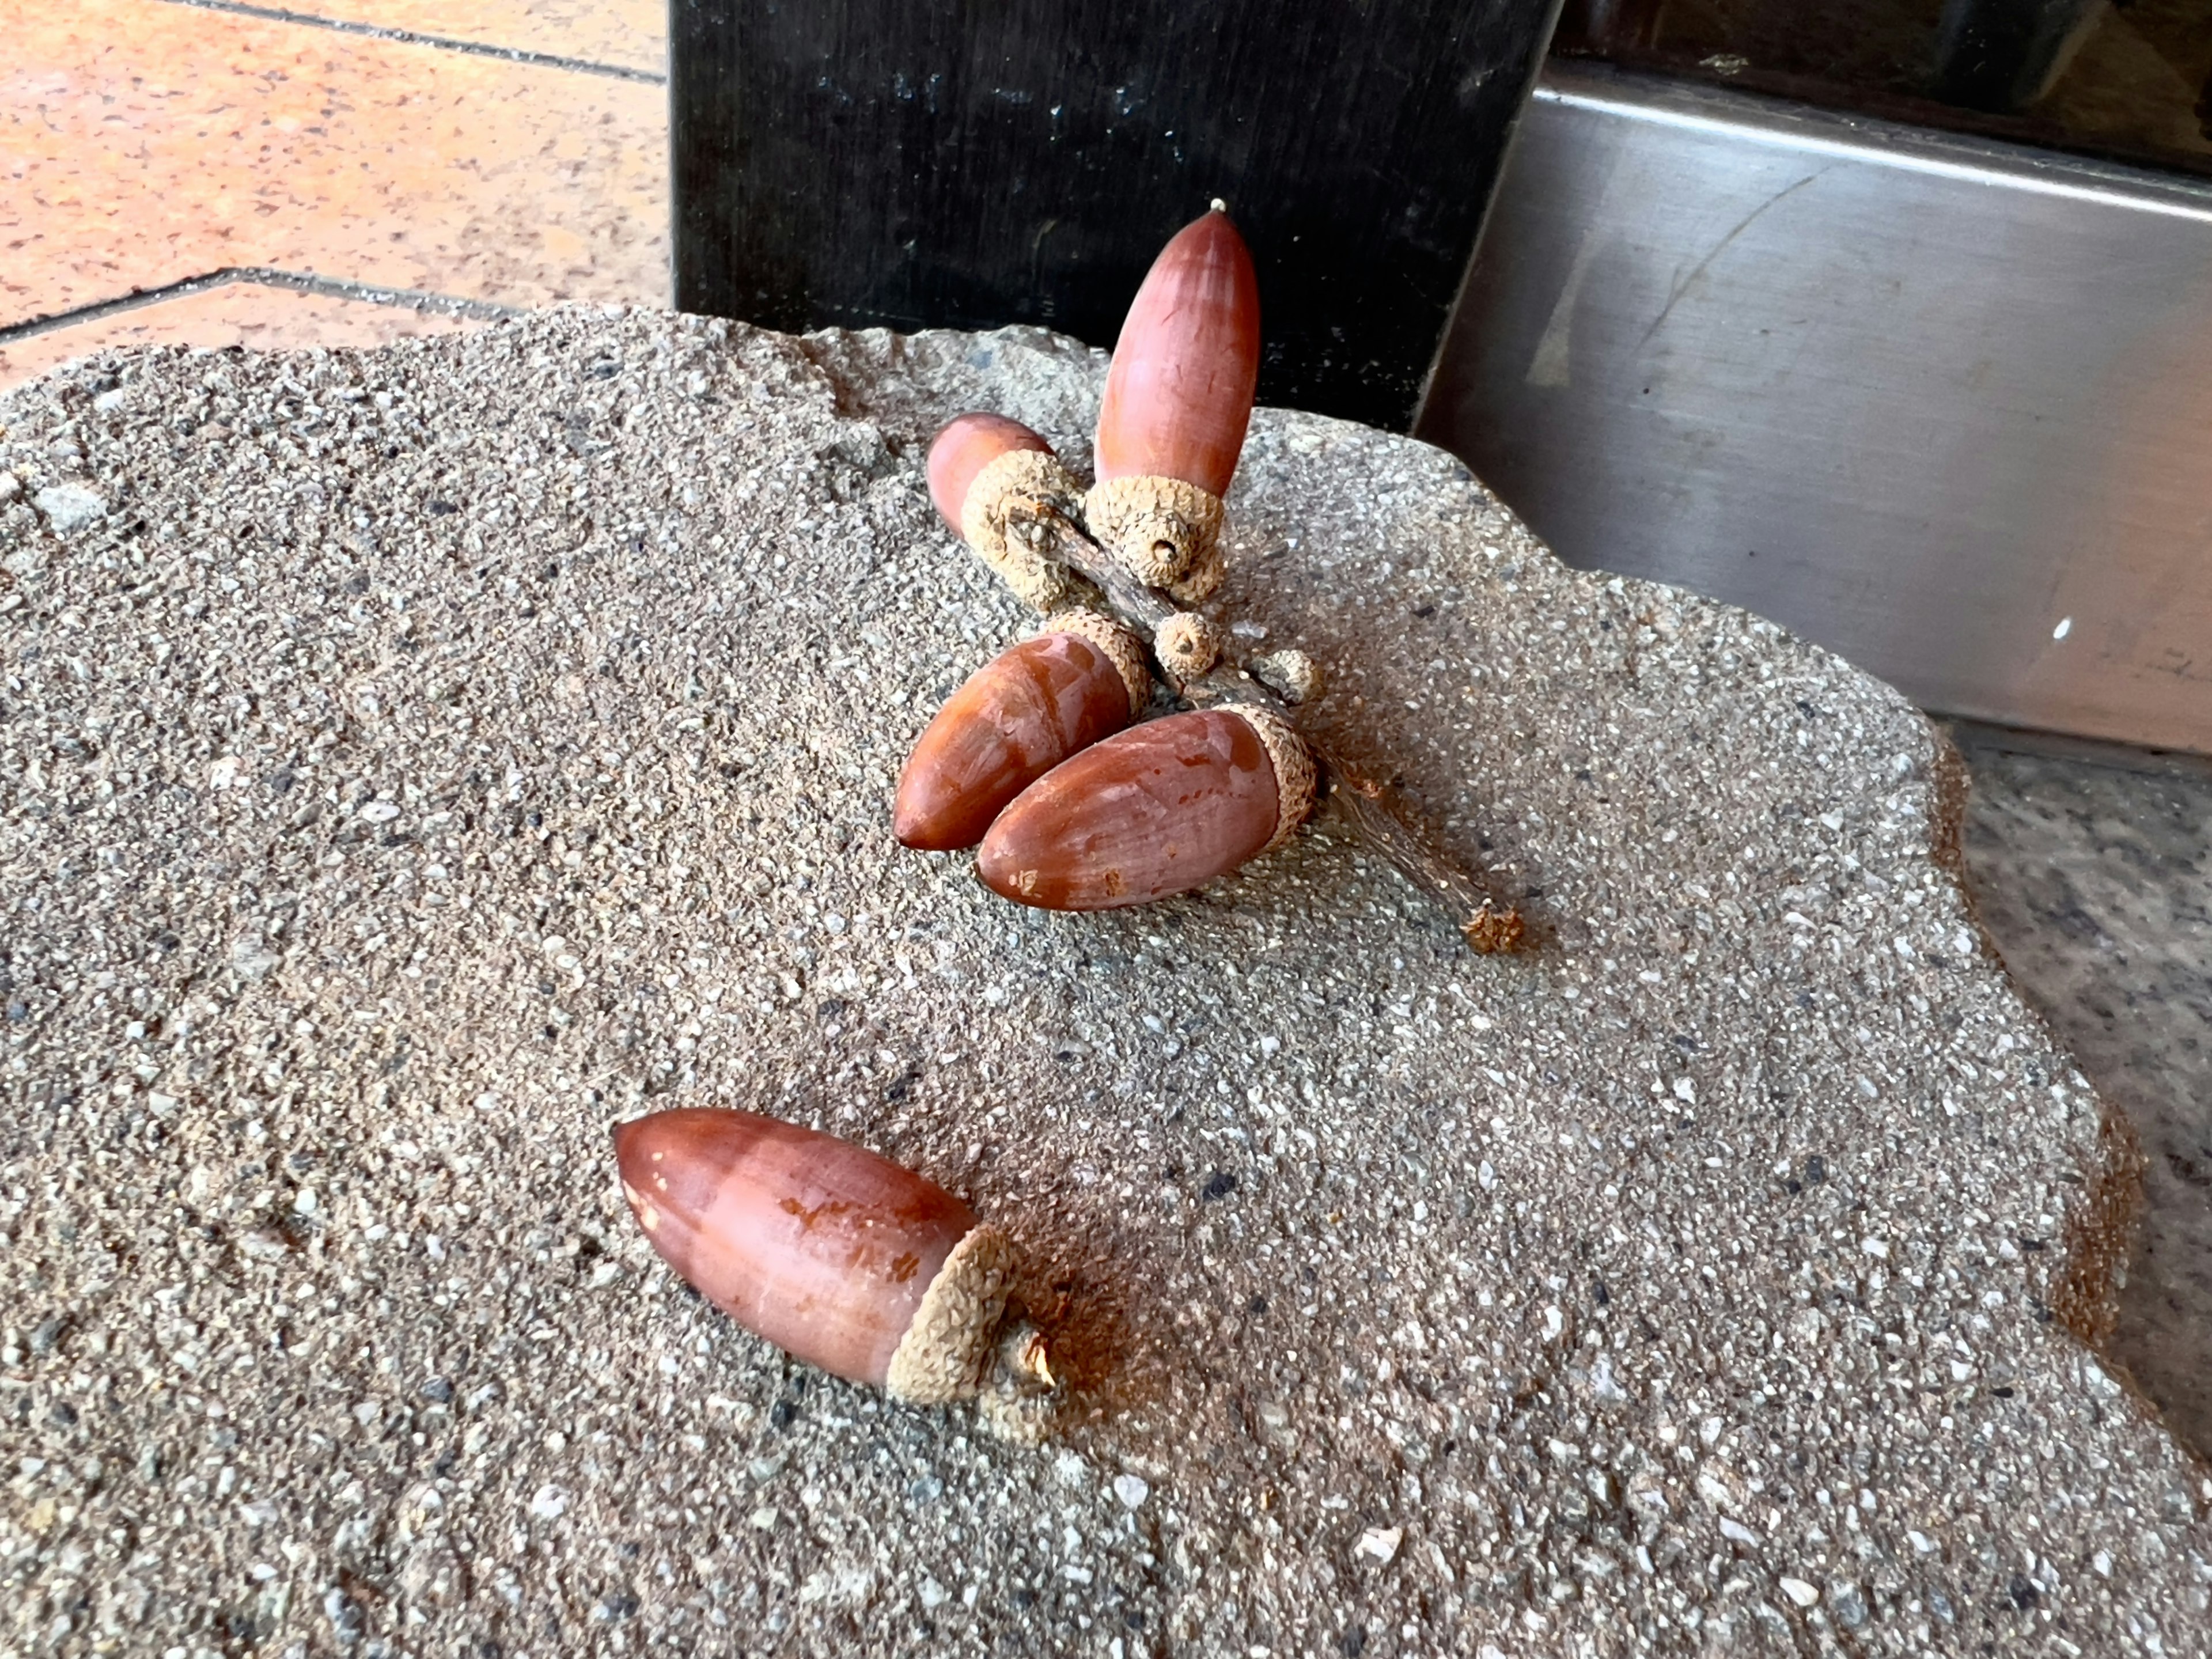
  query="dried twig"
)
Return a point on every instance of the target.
[{"x": 1371, "y": 811}]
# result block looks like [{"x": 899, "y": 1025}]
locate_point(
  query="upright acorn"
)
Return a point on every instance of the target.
[
  {"x": 1016, "y": 718},
  {"x": 980, "y": 465},
  {"x": 1160, "y": 809},
  {"x": 841, "y": 1258},
  {"x": 1178, "y": 398}
]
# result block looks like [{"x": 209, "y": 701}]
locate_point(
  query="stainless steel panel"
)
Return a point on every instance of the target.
[{"x": 1945, "y": 407}]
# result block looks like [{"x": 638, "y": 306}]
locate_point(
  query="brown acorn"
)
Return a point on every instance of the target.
[
  {"x": 1160, "y": 809},
  {"x": 1178, "y": 398},
  {"x": 839, "y": 1257},
  {"x": 1016, "y": 718},
  {"x": 982, "y": 465}
]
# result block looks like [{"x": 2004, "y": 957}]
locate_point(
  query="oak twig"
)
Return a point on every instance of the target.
[{"x": 1372, "y": 812}]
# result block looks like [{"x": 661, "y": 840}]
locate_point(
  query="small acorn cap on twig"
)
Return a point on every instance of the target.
[
  {"x": 981, "y": 467},
  {"x": 1186, "y": 645},
  {"x": 1291, "y": 674}
]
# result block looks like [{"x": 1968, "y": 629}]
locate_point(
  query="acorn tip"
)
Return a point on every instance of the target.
[{"x": 625, "y": 1136}]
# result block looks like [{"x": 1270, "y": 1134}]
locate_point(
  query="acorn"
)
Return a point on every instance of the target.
[
  {"x": 1178, "y": 398},
  {"x": 839, "y": 1257},
  {"x": 980, "y": 465},
  {"x": 1160, "y": 809},
  {"x": 1016, "y": 718}
]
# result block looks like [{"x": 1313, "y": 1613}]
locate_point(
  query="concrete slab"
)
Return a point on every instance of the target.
[{"x": 417, "y": 760}]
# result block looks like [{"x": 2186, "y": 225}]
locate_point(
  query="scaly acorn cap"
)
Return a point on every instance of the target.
[
  {"x": 1021, "y": 477},
  {"x": 1186, "y": 645},
  {"x": 1165, "y": 531},
  {"x": 1293, "y": 765},
  {"x": 1204, "y": 578},
  {"x": 1120, "y": 646},
  {"x": 1292, "y": 675},
  {"x": 947, "y": 1352}
]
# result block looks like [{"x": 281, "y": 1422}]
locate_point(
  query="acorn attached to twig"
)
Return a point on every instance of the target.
[
  {"x": 839, "y": 1257},
  {"x": 1160, "y": 809},
  {"x": 980, "y": 465},
  {"x": 1016, "y": 718},
  {"x": 1178, "y": 398}
]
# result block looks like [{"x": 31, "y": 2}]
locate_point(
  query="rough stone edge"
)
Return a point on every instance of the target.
[
  {"x": 1120, "y": 646},
  {"x": 941, "y": 1357},
  {"x": 1294, "y": 769},
  {"x": 2100, "y": 1234}
]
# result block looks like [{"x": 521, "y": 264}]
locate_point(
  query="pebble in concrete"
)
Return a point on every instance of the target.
[{"x": 433, "y": 756}]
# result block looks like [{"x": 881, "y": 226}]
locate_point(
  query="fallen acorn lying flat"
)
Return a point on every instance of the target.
[
  {"x": 839, "y": 1257},
  {"x": 1015, "y": 719},
  {"x": 1159, "y": 810}
]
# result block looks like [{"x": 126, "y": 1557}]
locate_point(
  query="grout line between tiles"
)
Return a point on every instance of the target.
[
  {"x": 411, "y": 37},
  {"x": 299, "y": 282}
]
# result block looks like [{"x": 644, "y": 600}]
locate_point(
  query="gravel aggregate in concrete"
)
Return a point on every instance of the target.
[{"x": 426, "y": 758}]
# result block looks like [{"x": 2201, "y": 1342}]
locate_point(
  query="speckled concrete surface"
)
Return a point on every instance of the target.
[
  {"x": 413, "y": 762},
  {"x": 2096, "y": 880},
  {"x": 253, "y": 314},
  {"x": 142, "y": 144}
]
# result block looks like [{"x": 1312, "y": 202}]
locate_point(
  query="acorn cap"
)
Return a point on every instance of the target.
[
  {"x": 1187, "y": 644},
  {"x": 1292, "y": 675},
  {"x": 1203, "y": 579},
  {"x": 1160, "y": 529},
  {"x": 1020, "y": 477},
  {"x": 1120, "y": 646},
  {"x": 1293, "y": 764},
  {"x": 945, "y": 1352}
]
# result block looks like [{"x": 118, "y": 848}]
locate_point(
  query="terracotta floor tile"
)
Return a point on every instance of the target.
[
  {"x": 142, "y": 143},
  {"x": 237, "y": 313},
  {"x": 627, "y": 34}
]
